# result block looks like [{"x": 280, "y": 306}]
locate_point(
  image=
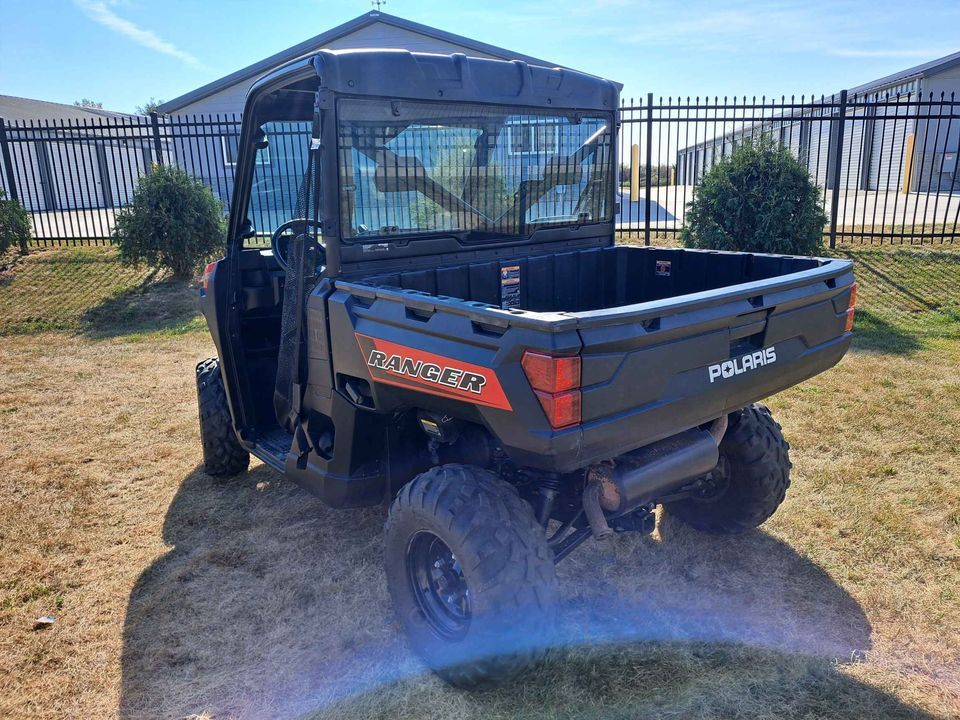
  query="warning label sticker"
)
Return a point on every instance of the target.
[
  {"x": 663, "y": 268},
  {"x": 509, "y": 286}
]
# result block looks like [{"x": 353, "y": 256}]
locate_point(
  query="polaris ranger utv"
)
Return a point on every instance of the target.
[{"x": 442, "y": 323}]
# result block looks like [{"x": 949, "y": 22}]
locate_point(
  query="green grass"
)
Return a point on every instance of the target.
[
  {"x": 909, "y": 296},
  {"x": 87, "y": 289}
]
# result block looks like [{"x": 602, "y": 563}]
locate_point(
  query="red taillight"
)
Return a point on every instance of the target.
[
  {"x": 851, "y": 308},
  {"x": 556, "y": 382},
  {"x": 551, "y": 374},
  {"x": 562, "y": 409},
  {"x": 207, "y": 274}
]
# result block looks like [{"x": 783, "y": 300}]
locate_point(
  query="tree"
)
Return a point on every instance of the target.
[
  {"x": 759, "y": 199},
  {"x": 149, "y": 106},
  {"x": 660, "y": 175},
  {"x": 87, "y": 103},
  {"x": 174, "y": 222}
]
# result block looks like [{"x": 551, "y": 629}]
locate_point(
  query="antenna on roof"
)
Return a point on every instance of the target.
[{"x": 378, "y": 3}]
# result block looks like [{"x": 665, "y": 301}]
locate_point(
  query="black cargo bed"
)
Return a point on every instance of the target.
[{"x": 602, "y": 285}]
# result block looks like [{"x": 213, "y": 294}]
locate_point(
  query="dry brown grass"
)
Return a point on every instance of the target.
[{"x": 177, "y": 597}]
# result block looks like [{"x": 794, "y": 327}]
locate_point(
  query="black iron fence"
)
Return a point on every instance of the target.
[
  {"x": 73, "y": 175},
  {"x": 886, "y": 163}
]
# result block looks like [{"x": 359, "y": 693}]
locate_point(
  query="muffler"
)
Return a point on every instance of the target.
[{"x": 642, "y": 476}]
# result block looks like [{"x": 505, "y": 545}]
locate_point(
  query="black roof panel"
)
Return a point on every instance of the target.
[{"x": 454, "y": 78}]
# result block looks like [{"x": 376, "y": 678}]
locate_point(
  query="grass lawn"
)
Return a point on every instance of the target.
[
  {"x": 177, "y": 597},
  {"x": 86, "y": 289}
]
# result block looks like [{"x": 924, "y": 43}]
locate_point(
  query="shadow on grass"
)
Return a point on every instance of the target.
[
  {"x": 650, "y": 680},
  {"x": 270, "y": 604},
  {"x": 168, "y": 306},
  {"x": 874, "y": 334}
]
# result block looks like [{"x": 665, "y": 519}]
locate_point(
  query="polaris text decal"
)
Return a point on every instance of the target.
[
  {"x": 740, "y": 365},
  {"x": 409, "y": 367}
]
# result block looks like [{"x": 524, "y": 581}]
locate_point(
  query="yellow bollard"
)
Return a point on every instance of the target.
[
  {"x": 908, "y": 164},
  {"x": 634, "y": 173}
]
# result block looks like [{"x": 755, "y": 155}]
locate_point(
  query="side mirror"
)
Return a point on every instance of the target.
[{"x": 260, "y": 141}]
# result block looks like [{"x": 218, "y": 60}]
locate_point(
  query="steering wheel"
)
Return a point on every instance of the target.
[{"x": 286, "y": 232}]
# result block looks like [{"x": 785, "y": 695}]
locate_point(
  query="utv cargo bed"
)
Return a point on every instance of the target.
[{"x": 668, "y": 339}]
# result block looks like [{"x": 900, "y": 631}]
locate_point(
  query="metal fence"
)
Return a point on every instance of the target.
[
  {"x": 73, "y": 175},
  {"x": 886, "y": 163}
]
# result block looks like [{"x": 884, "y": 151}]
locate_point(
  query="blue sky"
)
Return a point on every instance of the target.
[{"x": 122, "y": 52}]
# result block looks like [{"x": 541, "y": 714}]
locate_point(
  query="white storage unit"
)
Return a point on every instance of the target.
[
  {"x": 371, "y": 30},
  {"x": 891, "y": 128},
  {"x": 875, "y": 150}
]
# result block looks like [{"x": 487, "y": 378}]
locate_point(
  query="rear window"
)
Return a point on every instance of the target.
[{"x": 423, "y": 168}]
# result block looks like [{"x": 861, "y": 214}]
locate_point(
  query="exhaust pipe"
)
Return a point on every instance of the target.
[
  {"x": 642, "y": 476},
  {"x": 591, "y": 508}
]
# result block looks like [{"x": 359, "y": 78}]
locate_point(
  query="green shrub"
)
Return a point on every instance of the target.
[
  {"x": 759, "y": 199},
  {"x": 174, "y": 222},
  {"x": 14, "y": 225}
]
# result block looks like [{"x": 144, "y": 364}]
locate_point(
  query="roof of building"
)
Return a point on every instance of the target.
[
  {"x": 319, "y": 41},
  {"x": 18, "y": 108},
  {"x": 922, "y": 70}
]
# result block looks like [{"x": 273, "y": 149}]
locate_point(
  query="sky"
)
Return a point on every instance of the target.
[{"x": 124, "y": 52}]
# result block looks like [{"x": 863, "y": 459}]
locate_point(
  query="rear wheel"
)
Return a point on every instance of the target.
[
  {"x": 471, "y": 576},
  {"x": 223, "y": 455},
  {"x": 750, "y": 481}
]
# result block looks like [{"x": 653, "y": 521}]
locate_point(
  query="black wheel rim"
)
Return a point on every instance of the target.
[{"x": 438, "y": 584}]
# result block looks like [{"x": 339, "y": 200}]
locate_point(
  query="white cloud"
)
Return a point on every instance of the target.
[{"x": 100, "y": 12}]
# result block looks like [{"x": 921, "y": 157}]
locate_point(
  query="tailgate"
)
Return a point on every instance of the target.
[{"x": 660, "y": 367}]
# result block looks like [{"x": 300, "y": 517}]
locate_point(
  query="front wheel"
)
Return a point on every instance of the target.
[
  {"x": 471, "y": 575},
  {"x": 223, "y": 455},
  {"x": 750, "y": 481}
]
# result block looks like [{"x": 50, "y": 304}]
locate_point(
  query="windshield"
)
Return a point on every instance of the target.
[{"x": 417, "y": 167}]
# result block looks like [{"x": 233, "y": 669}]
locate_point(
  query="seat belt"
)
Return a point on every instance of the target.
[{"x": 303, "y": 261}]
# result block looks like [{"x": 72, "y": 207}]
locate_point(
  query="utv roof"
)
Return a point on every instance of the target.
[{"x": 447, "y": 78}]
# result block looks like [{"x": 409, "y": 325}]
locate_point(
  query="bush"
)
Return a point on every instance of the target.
[
  {"x": 14, "y": 225},
  {"x": 174, "y": 222},
  {"x": 759, "y": 199}
]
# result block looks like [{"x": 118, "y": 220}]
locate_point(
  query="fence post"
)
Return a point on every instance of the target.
[
  {"x": 837, "y": 159},
  {"x": 157, "y": 145},
  {"x": 8, "y": 173},
  {"x": 649, "y": 176},
  {"x": 7, "y": 162}
]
